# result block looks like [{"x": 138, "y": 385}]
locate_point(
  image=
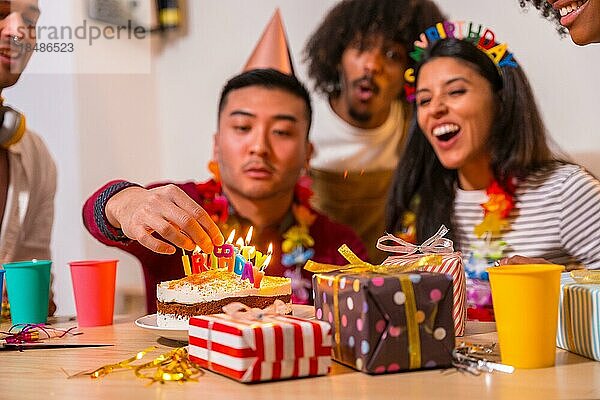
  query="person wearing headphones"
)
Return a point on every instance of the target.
[{"x": 27, "y": 171}]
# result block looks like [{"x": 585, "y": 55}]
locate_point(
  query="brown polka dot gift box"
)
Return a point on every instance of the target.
[{"x": 384, "y": 320}]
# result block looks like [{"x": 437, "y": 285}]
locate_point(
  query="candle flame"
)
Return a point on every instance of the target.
[
  {"x": 249, "y": 235},
  {"x": 231, "y": 237},
  {"x": 266, "y": 263},
  {"x": 197, "y": 250},
  {"x": 240, "y": 243},
  {"x": 270, "y": 249}
]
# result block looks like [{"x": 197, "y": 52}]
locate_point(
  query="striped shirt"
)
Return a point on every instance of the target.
[{"x": 556, "y": 217}]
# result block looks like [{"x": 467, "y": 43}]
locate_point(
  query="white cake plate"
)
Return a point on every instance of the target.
[{"x": 149, "y": 322}]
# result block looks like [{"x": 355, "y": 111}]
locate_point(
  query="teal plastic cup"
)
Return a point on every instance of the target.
[{"x": 28, "y": 287}]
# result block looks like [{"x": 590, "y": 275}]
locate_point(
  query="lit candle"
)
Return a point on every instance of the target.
[
  {"x": 240, "y": 262},
  {"x": 248, "y": 272},
  {"x": 259, "y": 258},
  {"x": 264, "y": 263},
  {"x": 214, "y": 262},
  {"x": 187, "y": 269},
  {"x": 199, "y": 261},
  {"x": 226, "y": 258},
  {"x": 225, "y": 250},
  {"x": 248, "y": 252},
  {"x": 239, "y": 243},
  {"x": 249, "y": 236},
  {"x": 258, "y": 275},
  {"x": 227, "y": 262},
  {"x": 241, "y": 252},
  {"x": 230, "y": 237}
]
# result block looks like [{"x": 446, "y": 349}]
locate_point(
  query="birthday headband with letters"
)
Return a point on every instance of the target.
[{"x": 483, "y": 38}]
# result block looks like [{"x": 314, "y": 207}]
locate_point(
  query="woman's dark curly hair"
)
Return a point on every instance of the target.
[
  {"x": 398, "y": 21},
  {"x": 547, "y": 12}
]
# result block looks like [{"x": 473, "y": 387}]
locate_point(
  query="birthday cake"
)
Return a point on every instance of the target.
[{"x": 207, "y": 292}]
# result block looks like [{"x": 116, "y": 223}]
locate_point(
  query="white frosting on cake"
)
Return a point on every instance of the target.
[
  {"x": 172, "y": 321},
  {"x": 215, "y": 285}
]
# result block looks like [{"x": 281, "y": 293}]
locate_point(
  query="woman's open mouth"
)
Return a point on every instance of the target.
[{"x": 446, "y": 132}]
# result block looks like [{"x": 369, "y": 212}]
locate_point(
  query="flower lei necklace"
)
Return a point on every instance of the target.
[
  {"x": 297, "y": 243},
  {"x": 496, "y": 211}
]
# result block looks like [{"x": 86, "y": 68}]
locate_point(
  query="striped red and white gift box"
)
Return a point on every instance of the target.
[
  {"x": 452, "y": 265},
  {"x": 276, "y": 347}
]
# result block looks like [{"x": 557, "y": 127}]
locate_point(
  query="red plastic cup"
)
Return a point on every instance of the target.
[{"x": 94, "y": 289}]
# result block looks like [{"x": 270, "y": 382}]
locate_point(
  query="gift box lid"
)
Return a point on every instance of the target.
[{"x": 274, "y": 338}]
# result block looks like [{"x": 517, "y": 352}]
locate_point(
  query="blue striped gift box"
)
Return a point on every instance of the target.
[{"x": 579, "y": 318}]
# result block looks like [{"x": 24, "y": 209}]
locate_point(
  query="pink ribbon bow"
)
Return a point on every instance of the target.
[{"x": 241, "y": 311}]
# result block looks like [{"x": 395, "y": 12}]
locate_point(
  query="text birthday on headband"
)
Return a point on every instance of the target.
[{"x": 482, "y": 37}]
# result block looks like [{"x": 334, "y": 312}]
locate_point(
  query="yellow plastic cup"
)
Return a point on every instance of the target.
[{"x": 525, "y": 301}]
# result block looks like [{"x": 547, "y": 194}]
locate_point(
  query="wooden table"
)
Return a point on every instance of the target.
[{"x": 37, "y": 374}]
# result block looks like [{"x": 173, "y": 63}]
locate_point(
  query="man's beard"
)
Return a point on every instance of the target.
[{"x": 360, "y": 116}]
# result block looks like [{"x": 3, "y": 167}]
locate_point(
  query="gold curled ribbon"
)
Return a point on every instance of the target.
[
  {"x": 172, "y": 366},
  {"x": 125, "y": 364},
  {"x": 586, "y": 276}
]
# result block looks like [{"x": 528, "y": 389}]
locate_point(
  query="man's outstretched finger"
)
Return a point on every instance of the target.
[
  {"x": 172, "y": 233},
  {"x": 185, "y": 223},
  {"x": 165, "y": 229},
  {"x": 215, "y": 234},
  {"x": 156, "y": 245},
  {"x": 206, "y": 225}
]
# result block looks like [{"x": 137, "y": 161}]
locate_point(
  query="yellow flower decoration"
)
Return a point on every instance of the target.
[
  {"x": 492, "y": 223},
  {"x": 296, "y": 236}
]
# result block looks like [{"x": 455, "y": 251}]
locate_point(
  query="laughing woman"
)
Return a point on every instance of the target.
[{"x": 478, "y": 161}]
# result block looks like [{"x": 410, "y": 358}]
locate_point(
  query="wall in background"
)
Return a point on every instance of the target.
[{"x": 158, "y": 123}]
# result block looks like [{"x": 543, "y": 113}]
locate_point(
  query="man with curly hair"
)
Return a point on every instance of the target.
[
  {"x": 580, "y": 17},
  {"x": 356, "y": 58}
]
